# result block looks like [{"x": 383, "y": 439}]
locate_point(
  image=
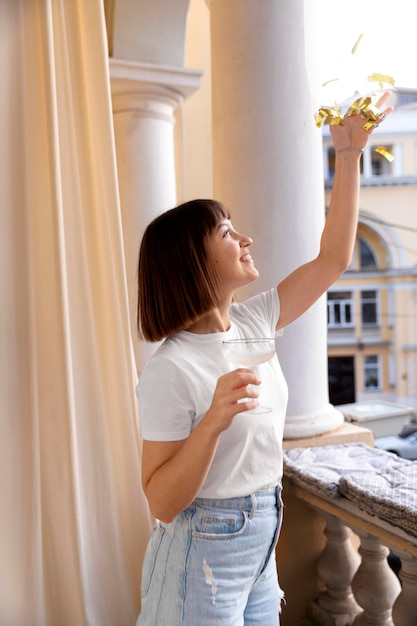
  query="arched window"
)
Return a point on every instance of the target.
[{"x": 367, "y": 257}]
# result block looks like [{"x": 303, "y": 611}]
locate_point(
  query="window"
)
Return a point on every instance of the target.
[
  {"x": 367, "y": 257},
  {"x": 372, "y": 372},
  {"x": 340, "y": 309},
  {"x": 369, "y": 308}
]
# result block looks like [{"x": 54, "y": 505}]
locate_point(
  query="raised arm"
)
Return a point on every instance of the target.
[{"x": 299, "y": 290}]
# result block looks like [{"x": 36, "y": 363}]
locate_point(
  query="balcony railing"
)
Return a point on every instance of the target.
[
  {"x": 358, "y": 585},
  {"x": 360, "y": 335},
  {"x": 372, "y": 333}
]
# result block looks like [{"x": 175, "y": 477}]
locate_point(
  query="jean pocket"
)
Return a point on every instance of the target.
[
  {"x": 218, "y": 524},
  {"x": 150, "y": 557}
]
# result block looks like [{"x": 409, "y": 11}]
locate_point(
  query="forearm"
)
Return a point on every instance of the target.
[
  {"x": 176, "y": 483},
  {"x": 338, "y": 238}
]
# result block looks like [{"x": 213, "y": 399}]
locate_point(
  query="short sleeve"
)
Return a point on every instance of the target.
[
  {"x": 259, "y": 313},
  {"x": 166, "y": 410}
]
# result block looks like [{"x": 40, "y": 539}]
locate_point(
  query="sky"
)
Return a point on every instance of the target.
[{"x": 388, "y": 45}]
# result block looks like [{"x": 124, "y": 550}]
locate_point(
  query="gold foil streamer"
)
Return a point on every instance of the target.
[
  {"x": 326, "y": 115},
  {"x": 385, "y": 153},
  {"x": 381, "y": 79},
  {"x": 356, "y": 46},
  {"x": 363, "y": 105},
  {"x": 332, "y": 80},
  {"x": 371, "y": 113},
  {"x": 359, "y": 105}
]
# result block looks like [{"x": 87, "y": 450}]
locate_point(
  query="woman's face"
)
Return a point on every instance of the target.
[{"x": 230, "y": 254}]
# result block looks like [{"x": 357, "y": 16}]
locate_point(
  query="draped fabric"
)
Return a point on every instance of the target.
[{"x": 73, "y": 520}]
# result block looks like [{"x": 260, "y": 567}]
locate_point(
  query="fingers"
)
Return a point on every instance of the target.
[
  {"x": 372, "y": 111},
  {"x": 239, "y": 384},
  {"x": 383, "y": 99},
  {"x": 383, "y": 113},
  {"x": 232, "y": 391},
  {"x": 242, "y": 376},
  {"x": 247, "y": 391}
]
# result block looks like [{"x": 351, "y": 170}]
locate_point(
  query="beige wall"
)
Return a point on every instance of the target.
[{"x": 397, "y": 205}]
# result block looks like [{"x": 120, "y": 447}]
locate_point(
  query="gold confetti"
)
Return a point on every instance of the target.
[
  {"x": 363, "y": 105},
  {"x": 385, "y": 153},
  {"x": 356, "y": 46},
  {"x": 327, "y": 115},
  {"x": 369, "y": 125},
  {"x": 359, "y": 105},
  {"x": 332, "y": 80},
  {"x": 381, "y": 78}
]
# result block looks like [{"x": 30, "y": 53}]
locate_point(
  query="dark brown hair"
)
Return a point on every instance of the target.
[{"x": 177, "y": 282}]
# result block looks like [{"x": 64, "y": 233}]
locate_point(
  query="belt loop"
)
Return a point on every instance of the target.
[
  {"x": 278, "y": 492},
  {"x": 253, "y": 509}
]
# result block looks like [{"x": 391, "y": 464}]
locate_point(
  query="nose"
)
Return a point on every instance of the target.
[{"x": 245, "y": 241}]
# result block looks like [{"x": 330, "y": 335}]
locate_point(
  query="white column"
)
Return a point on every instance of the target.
[
  {"x": 326, "y": 162},
  {"x": 367, "y": 162},
  {"x": 415, "y": 160},
  {"x": 398, "y": 162},
  {"x": 145, "y": 98},
  {"x": 268, "y": 169}
]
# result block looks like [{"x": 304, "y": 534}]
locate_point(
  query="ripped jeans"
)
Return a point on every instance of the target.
[{"x": 215, "y": 564}]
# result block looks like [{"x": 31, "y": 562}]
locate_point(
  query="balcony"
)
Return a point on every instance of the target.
[
  {"x": 360, "y": 336},
  {"x": 348, "y": 507}
]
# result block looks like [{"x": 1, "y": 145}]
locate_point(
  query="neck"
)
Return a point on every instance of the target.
[{"x": 215, "y": 321}]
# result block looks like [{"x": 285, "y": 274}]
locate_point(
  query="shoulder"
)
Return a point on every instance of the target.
[
  {"x": 164, "y": 360},
  {"x": 169, "y": 363},
  {"x": 263, "y": 307}
]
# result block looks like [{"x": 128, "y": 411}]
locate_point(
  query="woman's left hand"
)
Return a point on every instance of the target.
[{"x": 351, "y": 134}]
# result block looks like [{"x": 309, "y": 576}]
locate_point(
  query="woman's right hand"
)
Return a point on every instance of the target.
[
  {"x": 231, "y": 388},
  {"x": 173, "y": 472}
]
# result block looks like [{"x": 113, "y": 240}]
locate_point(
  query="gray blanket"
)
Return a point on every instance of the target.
[{"x": 378, "y": 482}]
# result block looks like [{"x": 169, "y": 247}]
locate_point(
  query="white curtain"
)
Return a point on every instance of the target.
[{"x": 74, "y": 521}]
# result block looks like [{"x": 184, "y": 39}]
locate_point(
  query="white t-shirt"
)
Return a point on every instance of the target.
[{"x": 176, "y": 389}]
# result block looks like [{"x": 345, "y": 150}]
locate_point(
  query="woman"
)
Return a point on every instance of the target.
[{"x": 211, "y": 470}]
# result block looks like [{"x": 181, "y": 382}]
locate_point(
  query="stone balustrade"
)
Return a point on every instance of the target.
[{"x": 357, "y": 585}]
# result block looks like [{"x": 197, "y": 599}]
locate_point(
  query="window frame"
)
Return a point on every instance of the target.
[
  {"x": 376, "y": 302},
  {"x": 377, "y": 366},
  {"x": 343, "y": 303}
]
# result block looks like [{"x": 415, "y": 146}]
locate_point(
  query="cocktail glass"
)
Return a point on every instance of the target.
[{"x": 250, "y": 352}]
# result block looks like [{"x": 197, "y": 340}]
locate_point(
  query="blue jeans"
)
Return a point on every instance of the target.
[{"x": 215, "y": 564}]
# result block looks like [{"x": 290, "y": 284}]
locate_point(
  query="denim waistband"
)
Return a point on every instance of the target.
[{"x": 262, "y": 499}]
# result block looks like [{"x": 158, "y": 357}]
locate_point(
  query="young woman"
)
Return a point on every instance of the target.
[{"x": 211, "y": 469}]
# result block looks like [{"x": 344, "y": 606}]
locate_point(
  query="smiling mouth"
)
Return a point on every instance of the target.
[{"x": 246, "y": 258}]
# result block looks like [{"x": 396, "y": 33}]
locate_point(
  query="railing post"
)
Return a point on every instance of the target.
[
  {"x": 404, "y": 611},
  {"x": 336, "y": 566},
  {"x": 375, "y": 586}
]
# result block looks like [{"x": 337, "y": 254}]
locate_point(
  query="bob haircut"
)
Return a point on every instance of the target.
[{"x": 177, "y": 282}]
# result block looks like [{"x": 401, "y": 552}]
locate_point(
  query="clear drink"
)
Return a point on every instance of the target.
[
  {"x": 247, "y": 360},
  {"x": 250, "y": 352}
]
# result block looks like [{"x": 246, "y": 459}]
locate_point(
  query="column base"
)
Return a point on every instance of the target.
[
  {"x": 312, "y": 424},
  {"x": 331, "y": 619}
]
